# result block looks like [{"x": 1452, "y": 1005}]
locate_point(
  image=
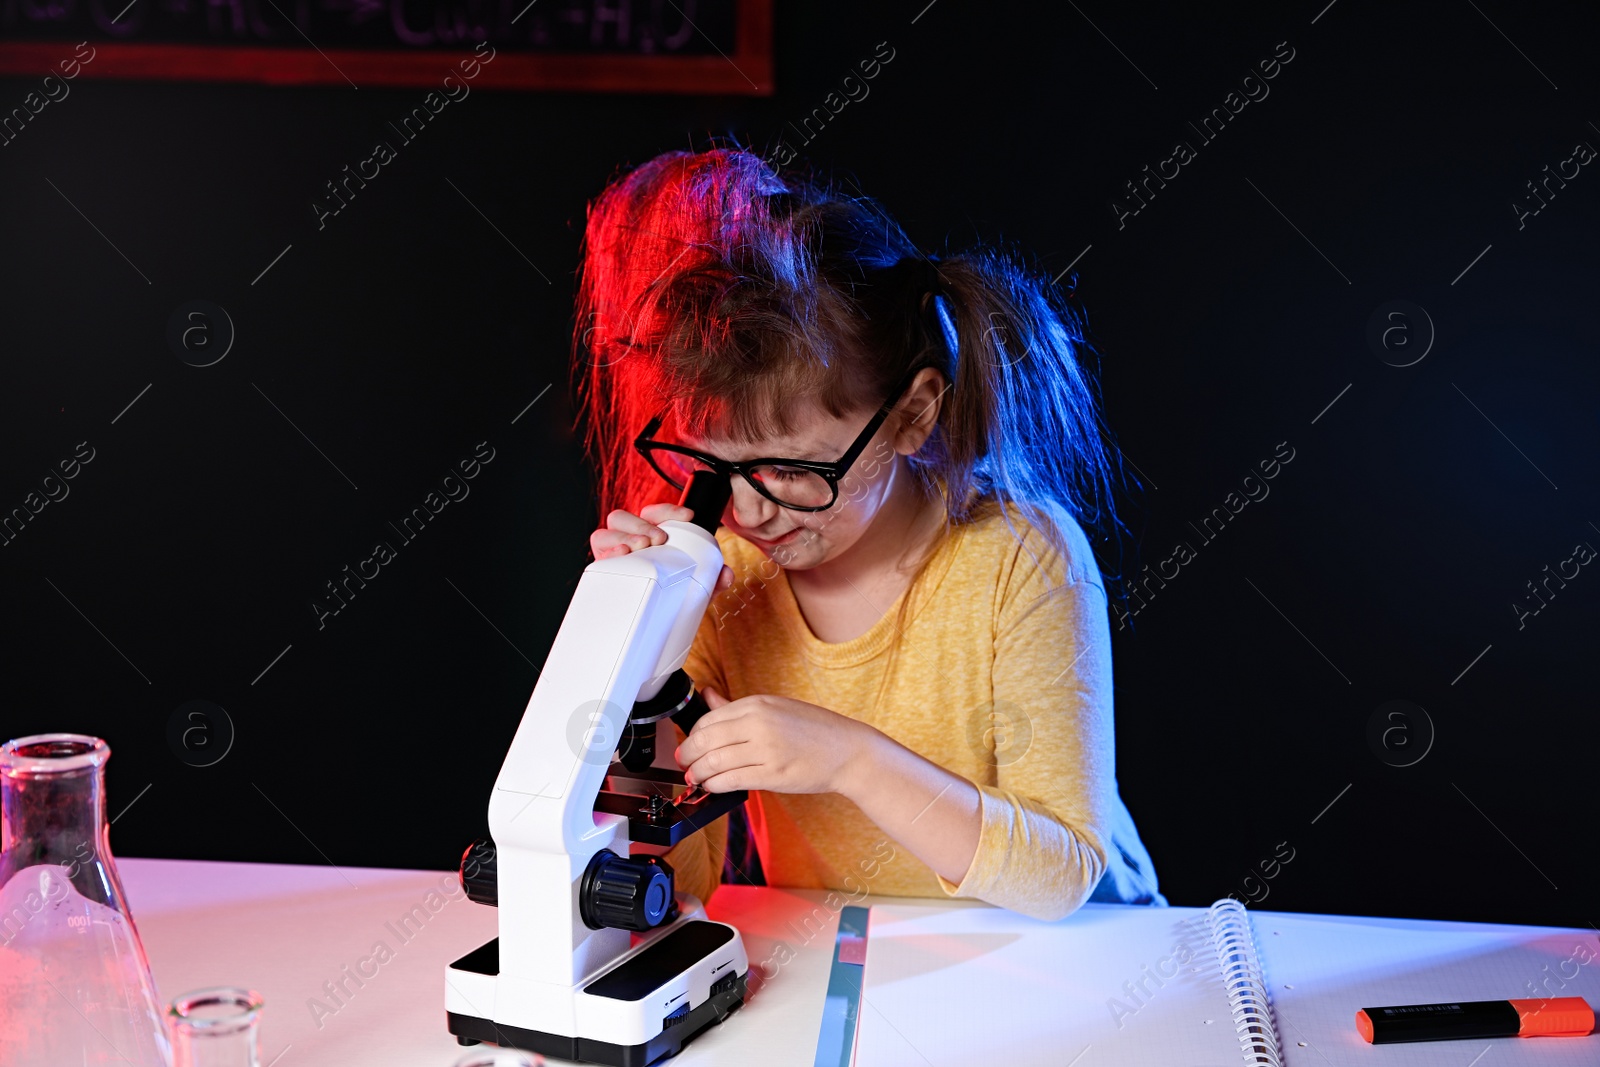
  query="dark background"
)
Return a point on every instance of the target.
[{"x": 378, "y": 351}]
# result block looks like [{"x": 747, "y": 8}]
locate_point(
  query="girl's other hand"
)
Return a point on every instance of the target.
[
  {"x": 774, "y": 743},
  {"x": 626, "y": 532}
]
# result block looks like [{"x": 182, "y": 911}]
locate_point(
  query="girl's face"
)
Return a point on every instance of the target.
[{"x": 801, "y": 540}]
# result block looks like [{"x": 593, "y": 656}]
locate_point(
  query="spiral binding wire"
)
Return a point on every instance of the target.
[{"x": 1244, "y": 983}]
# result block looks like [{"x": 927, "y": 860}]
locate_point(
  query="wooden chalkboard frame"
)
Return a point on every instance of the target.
[{"x": 746, "y": 71}]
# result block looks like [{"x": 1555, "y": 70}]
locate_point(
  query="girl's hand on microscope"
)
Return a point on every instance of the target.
[
  {"x": 625, "y": 532},
  {"x": 774, "y": 743}
]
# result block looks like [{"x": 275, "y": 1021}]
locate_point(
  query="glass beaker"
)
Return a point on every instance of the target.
[
  {"x": 218, "y": 1027},
  {"x": 75, "y": 986}
]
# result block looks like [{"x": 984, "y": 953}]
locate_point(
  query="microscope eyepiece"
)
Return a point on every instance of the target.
[{"x": 707, "y": 495}]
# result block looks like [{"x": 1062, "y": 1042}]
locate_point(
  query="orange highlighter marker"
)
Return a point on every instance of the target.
[{"x": 1545, "y": 1016}]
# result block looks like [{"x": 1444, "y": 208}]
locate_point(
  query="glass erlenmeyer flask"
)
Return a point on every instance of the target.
[{"x": 75, "y": 986}]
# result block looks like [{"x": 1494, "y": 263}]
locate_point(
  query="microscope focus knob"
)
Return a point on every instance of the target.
[
  {"x": 624, "y": 893},
  {"x": 479, "y": 874}
]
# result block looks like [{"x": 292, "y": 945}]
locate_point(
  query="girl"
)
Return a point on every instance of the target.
[{"x": 908, "y": 656}]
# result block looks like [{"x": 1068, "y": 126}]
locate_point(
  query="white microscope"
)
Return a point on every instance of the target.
[{"x": 598, "y": 959}]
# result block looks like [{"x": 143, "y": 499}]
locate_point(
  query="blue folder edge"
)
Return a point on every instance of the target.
[{"x": 841, "y": 1008}]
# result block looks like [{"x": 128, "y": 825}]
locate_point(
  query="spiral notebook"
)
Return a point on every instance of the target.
[{"x": 1197, "y": 987}]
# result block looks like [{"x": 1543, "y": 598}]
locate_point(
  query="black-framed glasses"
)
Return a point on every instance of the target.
[{"x": 797, "y": 484}]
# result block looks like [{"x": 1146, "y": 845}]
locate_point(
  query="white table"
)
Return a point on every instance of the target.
[
  {"x": 291, "y": 932},
  {"x": 286, "y": 931}
]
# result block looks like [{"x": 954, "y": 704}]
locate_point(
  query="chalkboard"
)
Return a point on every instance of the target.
[{"x": 693, "y": 46}]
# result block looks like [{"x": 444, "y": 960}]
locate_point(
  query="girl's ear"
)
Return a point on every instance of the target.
[{"x": 919, "y": 410}]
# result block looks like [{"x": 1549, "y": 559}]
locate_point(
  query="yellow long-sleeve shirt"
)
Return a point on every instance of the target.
[{"x": 1002, "y": 675}]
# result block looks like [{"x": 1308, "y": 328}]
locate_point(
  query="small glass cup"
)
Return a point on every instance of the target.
[
  {"x": 500, "y": 1057},
  {"x": 217, "y": 1027}
]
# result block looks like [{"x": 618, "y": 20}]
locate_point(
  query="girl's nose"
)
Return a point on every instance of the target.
[{"x": 750, "y": 509}]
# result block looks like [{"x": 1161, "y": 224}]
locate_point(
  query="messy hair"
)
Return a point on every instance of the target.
[{"x": 716, "y": 290}]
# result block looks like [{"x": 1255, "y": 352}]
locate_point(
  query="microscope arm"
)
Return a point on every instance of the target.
[{"x": 628, "y": 629}]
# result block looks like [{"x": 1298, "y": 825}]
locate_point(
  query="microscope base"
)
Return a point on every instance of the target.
[
  {"x": 628, "y": 999},
  {"x": 471, "y": 1030}
]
